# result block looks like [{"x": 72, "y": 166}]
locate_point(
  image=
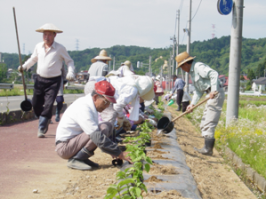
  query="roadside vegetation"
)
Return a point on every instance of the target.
[
  {"x": 18, "y": 90},
  {"x": 246, "y": 136}
]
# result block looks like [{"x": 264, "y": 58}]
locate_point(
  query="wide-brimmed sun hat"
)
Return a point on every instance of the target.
[
  {"x": 102, "y": 56},
  {"x": 183, "y": 58},
  {"x": 49, "y": 27},
  {"x": 145, "y": 84}
]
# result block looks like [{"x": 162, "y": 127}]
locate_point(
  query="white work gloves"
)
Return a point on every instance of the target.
[
  {"x": 70, "y": 76},
  {"x": 20, "y": 69}
]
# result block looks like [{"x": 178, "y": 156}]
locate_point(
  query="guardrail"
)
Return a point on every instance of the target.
[
  {"x": 30, "y": 86},
  {"x": 6, "y": 86},
  {"x": 74, "y": 87}
]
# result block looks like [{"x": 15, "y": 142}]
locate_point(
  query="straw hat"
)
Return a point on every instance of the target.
[
  {"x": 49, "y": 27},
  {"x": 144, "y": 84},
  {"x": 183, "y": 58},
  {"x": 102, "y": 56},
  {"x": 129, "y": 64}
]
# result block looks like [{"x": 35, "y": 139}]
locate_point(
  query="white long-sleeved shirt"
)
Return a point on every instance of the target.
[
  {"x": 124, "y": 94},
  {"x": 97, "y": 68},
  {"x": 50, "y": 62},
  {"x": 81, "y": 116}
]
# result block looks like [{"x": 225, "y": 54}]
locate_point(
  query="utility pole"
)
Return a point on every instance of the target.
[
  {"x": 114, "y": 63},
  {"x": 109, "y": 65},
  {"x": 177, "y": 38},
  {"x": 188, "y": 43},
  {"x": 150, "y": 70},
  {"x": 173, "y": 54},
  {"x": 235, "y": 61}
]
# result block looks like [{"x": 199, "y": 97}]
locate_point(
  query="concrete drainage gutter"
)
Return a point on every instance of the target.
[{"x": 250, "y": 173}]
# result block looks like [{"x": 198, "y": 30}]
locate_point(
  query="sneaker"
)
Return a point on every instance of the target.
[
  {"x": 78, "y": 164},
  {"x": 91, "y": 163},
  {"x": 57, "y": 118},
  {"x": 40, "y": 133}
]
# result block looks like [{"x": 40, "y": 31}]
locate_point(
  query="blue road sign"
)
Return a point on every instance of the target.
[{"x": 224, "y": 6}]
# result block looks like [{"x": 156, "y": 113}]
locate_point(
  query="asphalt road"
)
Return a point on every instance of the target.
[{"x": 13, "y": 102}]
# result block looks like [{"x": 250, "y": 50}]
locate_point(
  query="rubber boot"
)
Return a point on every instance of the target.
[
  {"x": 80, "y": 161},
  {"x": 179, "y": 108},
  {"x": 208, "y": 147},
  {"x": 57, "y": 115},
  {"x": 43, "y": 126}
]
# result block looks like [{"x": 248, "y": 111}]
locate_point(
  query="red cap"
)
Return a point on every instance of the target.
[
  {"x": 154, "y": 88},
  {"x": 105, "y": 89}
]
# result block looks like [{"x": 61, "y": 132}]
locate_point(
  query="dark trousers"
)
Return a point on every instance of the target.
[
  {"x": 59, "y": 100},
  {"x": 179, "y": 97},
  {"x": 45, "y": 92},
  {"x": 142, "y": 106},
  {"x": 184, "y": 106}
]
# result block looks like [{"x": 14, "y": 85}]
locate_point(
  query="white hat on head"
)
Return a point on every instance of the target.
[
  {"x": 49, "y": 27},
  {"x": 126, "y": 71},
  {"x": 102, "y": 56},
  {"x": 144, "y": 84}
]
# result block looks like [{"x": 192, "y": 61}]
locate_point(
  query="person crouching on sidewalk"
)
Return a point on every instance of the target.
[{"x": 79, "y": 134}]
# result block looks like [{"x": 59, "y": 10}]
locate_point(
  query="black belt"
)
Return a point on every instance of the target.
[{"x": 58, "y": 141}]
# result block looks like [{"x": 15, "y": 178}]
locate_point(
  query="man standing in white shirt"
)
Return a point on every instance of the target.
[
  {"x": 100, "y": 64},
  {"x": 50, "y": 56},
  {"x": 79, "y": 133}
]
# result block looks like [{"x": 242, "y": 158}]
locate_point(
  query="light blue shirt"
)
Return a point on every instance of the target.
[
  {"x": 178, "y": 85},
  {"x": 203, "y": 78}
]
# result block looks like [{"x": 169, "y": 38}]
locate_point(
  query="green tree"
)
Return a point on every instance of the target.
[
  {"x": 251, "y": 74},
  {"x": 3, "y": 72}
]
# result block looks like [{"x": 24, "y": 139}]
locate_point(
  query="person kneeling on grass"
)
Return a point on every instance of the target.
[{"x": 79, "y": 134}]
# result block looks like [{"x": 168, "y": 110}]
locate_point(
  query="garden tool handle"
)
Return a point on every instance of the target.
[
  {"x": 20, "y": 62},
  {"x": 193, "y": 108}
]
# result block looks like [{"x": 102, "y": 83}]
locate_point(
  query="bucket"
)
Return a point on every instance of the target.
[
  {"x": 165, "y": 124},
  {"x": 171, "y": 102},
  {"x": 26, "y": 105}
]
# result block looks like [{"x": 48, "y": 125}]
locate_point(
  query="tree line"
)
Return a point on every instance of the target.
[{"x": 214, "y": 52}]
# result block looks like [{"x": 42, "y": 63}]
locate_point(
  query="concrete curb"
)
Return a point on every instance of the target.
[
  {"x": 18, "y": 116},
  {"x": 250, "y": 173}
]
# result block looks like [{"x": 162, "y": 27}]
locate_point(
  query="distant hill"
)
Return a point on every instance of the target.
[{"x": 214, "y": 52}]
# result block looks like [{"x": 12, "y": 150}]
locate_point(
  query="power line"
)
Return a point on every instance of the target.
[
  {"x": 181, "y": 4},
  {"x": 196, "y": 10}
]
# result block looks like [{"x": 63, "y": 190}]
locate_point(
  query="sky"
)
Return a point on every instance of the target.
[{"x": 105, "y": 23}]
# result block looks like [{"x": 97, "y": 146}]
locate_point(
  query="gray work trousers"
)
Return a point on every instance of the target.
[
  {"x": 211, "y": 114},
  {"x": 70, "y": 148}
]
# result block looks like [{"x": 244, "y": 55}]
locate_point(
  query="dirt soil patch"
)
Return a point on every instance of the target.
[
  {"x": 215, "y": 179},
  {"x": 173, "y": 194},
  {"x": 153, "y": 179},
  {"x": 157, "y": 169}
]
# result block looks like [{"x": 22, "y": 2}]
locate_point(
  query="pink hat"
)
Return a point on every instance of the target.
[{"x": 105, "y": 89}]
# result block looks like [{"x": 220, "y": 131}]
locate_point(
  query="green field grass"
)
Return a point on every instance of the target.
[{"x": 18, "y": 90}]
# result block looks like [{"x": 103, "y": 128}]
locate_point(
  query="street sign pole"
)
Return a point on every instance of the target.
[{"x": 235, "y": 62}]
